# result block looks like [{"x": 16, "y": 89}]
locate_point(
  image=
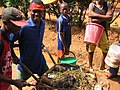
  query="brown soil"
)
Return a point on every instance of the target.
[{"x": 78, "y": 47}]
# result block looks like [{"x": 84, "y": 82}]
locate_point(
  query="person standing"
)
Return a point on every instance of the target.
[
  {"x": 30, "y": 42},
  {"x": 12, "y": 22},
  {"x": 63, "y": 25},
  {"x": 99, "y": 12}
]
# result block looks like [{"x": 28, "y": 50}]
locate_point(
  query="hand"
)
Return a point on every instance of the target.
[
  {"x": 38, "y": 86},
  {"x": 35, "y": 85},
  {"x": 19, "y": 83},
  {"x": 109, "y": 13},
  {"x": 66, "y": 51},
  {"x": 108, "y": 17}
]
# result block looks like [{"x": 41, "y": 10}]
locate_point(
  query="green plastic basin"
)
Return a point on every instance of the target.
[{"x": 69, "y": 60}]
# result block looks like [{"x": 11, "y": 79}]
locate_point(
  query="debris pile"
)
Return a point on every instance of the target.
[{"x": 67, "y": 77}]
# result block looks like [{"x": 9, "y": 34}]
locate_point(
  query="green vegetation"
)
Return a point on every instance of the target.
[{"x": 77, "y": 8}]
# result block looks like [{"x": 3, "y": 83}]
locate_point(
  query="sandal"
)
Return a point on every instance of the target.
[
  {"x": 91, "y": 69},
  {"x": 105, "y": 70}
]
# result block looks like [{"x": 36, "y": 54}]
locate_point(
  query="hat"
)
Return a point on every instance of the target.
[
  {"x": 36, "y": 5},
  {"x": 14, "y": 15}
]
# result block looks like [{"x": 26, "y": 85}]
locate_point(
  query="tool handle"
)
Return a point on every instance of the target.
[
  {"x": 29, "y": 71},
  {"x": 64, "y": 54},
  {"x": 49, "y": 54}
]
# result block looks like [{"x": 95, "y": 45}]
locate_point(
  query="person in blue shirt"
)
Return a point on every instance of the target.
[
  {"x": 30, "y": 42},
  {"x": 64, "y": 30}
]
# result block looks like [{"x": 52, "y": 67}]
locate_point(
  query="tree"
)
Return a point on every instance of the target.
[
  {"x": 20, "y": 4},
  {"x": 77, "y": 8}
]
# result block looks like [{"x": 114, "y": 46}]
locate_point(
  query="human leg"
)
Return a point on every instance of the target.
[
  {"x": 59, "y": 55},
  {"x": 60, "y": 50},
  {"x": 90, "y": 49},
  {"x": 104, "y": 46},
  {"x": 102, "y": 66},
  {"x": 90, "y": 59},
  {"x": 112, "y": 72}
]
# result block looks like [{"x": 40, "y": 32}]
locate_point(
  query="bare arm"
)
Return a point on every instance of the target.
[
  {"x": 109, "y": 12},
  {"x": 91, "y": 13},
  {"x": 19, "y": 84},
  {"x": 5, "y": 79}
]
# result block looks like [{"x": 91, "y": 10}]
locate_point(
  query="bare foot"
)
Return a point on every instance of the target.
[
  {"x": 102, "y": 68},
  {"x": 109, "y": 75}
]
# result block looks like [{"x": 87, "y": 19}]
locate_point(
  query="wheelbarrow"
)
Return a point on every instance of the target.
[
  {"x": 48, "y": 76},
  {"x": 69, "y": 59}
]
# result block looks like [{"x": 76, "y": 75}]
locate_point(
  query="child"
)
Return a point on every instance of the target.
[
  {"x": 98, "y": 13},
  {"x": 64, "y": 30},
  {"x": 113, "y": 60}
]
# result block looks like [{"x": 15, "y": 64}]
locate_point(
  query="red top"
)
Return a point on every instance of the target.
[
  {"x": 5, "y": 64},
  {"x": 35, "y": 6}
]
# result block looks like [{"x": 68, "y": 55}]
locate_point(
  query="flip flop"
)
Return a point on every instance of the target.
[
  {"x": 105, "y": 70},
  {"x": 91, "y": 69}
]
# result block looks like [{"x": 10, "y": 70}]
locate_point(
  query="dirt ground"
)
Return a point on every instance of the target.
[{"x": 78, "y": 47}]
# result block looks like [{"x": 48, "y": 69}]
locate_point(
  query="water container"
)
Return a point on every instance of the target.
[
  {"x": 113, "y": 55},
  {"x": 69, "y": 60},
  {"x": 93, "y": 33}
]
